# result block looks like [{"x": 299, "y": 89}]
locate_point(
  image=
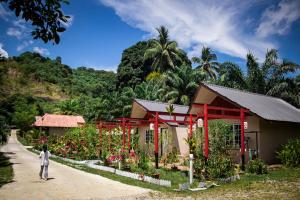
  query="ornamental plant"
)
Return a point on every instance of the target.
[
  {"x": 290, "y": 153},
  {"x": 256, "y": 166}
]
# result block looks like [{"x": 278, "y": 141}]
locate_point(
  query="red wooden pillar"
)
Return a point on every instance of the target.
[
  {"x": 156, "y": 140},
  {"x": 124, "y": 132},
  {"x": 100, "y": 138},
  {"x": 129, "y": 133},
  {"x": 206, "y": 143},
  {"x": 191, "y": 126},
  {"x": 109, "y": 139},
  {"x": 242, "y": 119}
]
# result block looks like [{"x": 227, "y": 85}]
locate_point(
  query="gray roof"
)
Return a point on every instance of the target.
[
  {"x": 267, "y": 107},
  {"x": 155, "y": 106}
]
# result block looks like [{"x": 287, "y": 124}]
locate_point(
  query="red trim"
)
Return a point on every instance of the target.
[
  {"x": 129, "y": 133},
  {"x": 242, "y": 118},
  {"x": 206, "y": 131},
  {"x": 156, "y": 133},
  {"x": 191, "y": 126}
]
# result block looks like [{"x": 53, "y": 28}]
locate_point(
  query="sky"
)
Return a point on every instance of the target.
[{"x": 99, "y": 30}]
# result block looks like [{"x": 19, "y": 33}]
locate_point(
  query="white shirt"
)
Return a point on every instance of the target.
[{"x": 44, "y": 156}]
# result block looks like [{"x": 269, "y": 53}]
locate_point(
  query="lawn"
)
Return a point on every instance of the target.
[
  {"x": 278, "y": 184},
  {"x": 6, "y": 170}
]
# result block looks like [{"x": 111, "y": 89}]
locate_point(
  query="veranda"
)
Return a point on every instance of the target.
[{"x": 204, "y": 112}]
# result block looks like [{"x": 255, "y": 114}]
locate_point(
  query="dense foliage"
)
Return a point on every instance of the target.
[
  {"x": 219, "y": 163},
  {"x": 257, "y": 166},
  {"x": 154, "y": 70},
  {"x": 289, "y": 154},
  {"x": 46, "y": 17}
]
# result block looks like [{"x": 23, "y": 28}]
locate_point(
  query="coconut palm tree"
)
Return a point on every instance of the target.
[
  {"x": 231, "y": 75},
  {"x": 207, "y": 62},
  {"x": 182, "y": 84},
  {"x": 163, "y": 53},
  {"x": 150, "y": 90}
]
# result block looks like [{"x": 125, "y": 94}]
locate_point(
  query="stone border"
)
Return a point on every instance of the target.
[{"x": 92, "y": 164}]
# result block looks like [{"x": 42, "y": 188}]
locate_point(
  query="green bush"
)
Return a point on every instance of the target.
[
  {"x": 219, "y": 166},
  {"x": 290, "y": 153},
  {"x": 257, "y": 166}
]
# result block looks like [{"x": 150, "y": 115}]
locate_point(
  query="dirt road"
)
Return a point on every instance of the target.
[{"x": 65, "y": 182}]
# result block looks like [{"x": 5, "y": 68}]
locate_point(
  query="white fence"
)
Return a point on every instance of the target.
[{"x": 92, "y": 164}]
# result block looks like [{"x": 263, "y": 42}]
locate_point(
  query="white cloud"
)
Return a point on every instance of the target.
[
  {"x": 19, "y": 29},
  {"x": 278, "y": 20},
  {"x": 4, "y": 14},
  {"x": 218, "y": 24},
  {"x": 3, "y": 53},
  {"x": 24, "y": 45},
  {"x": 41, "y": 51},
  {"x": 14, "y": 32}
]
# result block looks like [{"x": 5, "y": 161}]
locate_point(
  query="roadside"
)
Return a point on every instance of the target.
[
  {"x": 65, "y": 182},
  {"x": 6, "y": 170}
]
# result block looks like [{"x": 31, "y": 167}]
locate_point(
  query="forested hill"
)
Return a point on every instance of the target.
[
  {"x": 31, "y": 84},
  {"x": 157, "y": 70}
]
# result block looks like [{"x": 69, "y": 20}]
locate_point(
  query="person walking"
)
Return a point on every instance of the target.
[{"x": 44, "y": 157}]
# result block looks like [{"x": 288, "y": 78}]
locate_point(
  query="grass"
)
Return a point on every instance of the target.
[{"x": 6, "y": 170}]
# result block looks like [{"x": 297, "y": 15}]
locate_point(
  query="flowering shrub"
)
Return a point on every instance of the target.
[{"x": 290, "y": 153}]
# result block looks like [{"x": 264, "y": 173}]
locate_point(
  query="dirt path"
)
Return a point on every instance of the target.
[{"x": 65, "y": 182}]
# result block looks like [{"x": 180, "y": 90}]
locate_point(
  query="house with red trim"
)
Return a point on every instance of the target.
[
  {"x": 260, "y": 123},
  {"x": 58, "y": 124}
]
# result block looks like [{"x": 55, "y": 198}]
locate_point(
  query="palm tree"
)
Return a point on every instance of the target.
[
  {"x": 163, "y": 53},
  {"x": 231, "y": 75},
  {"x": 255, "y": 79},
  {"x": 271, "y": 75},
  {"x": 207, "y": 62},
  {"x": 182, "y": 84},
  {"x": 150, "y": 90}
]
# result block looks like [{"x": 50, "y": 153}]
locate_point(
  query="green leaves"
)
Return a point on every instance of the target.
[
  {"x": 163, "y": 53},
  {"x": 45, "y": 16},
  {"x": 289, "y": 154}
]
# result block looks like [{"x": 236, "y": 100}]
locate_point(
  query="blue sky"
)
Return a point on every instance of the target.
[{"x": 101, "y": 29}]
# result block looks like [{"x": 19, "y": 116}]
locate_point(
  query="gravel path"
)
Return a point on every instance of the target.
[{"x": 65, "y": 182}]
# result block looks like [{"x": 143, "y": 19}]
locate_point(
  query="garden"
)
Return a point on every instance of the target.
[{"x": 83, "y": 144}]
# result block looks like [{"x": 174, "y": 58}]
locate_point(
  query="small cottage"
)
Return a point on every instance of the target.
[{"x": 58, "y": 124}]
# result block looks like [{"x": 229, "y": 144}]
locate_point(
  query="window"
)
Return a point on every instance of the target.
[
  {"x": 234, "y": 140},
  {"x": 149, "y": 136}
]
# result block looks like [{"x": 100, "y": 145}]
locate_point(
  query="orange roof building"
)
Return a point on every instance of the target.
[{"x": 56, "y": 124}]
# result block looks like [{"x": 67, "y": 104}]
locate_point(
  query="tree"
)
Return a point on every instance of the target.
[
  {"x": 255, "y": 78},
  {"x": 47, "y": 17},
  {"x": 150, "y": 90},
  {"x": 132, "y": 70},
  {"x": 231, "y": 75},
  {"x": 164, "y": 53},
  {"x": 182, "y": 84},
  {"x": 207, "y": 62}
]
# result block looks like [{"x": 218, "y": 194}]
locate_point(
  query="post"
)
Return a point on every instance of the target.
[
  {"x": 242, "y": 118},
  {"x": 129, "y": 133},
  {"x": 109, "y": 139},
  {"x": 191, "y": 168},
  {"x": 191, "y": 126},
  {"x": 156, "y": 140},
  {"x": 124, "y": 132},
  {"x": 100, "y": 139},
  {"x": 206, "y": 151}
]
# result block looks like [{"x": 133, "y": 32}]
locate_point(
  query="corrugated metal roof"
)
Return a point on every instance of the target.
[
  {"x": 267, "y": 107},
  {"x": 155, "y": 106},
  {"x": 161, "y": 107},
  {"x": 64, "y": 121}
]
